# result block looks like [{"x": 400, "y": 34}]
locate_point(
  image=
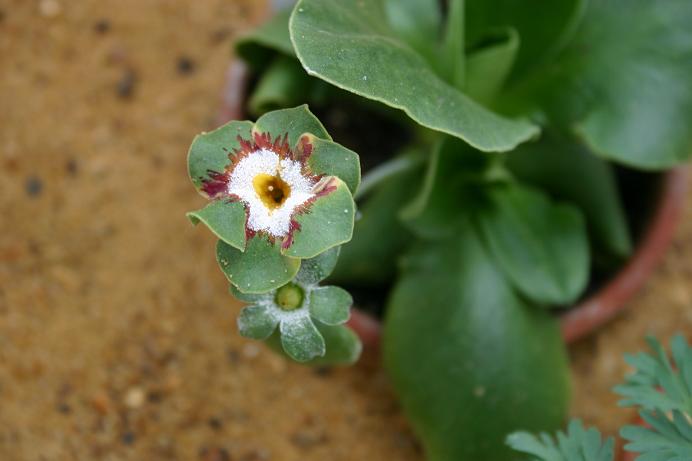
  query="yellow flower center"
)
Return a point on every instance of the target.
[{"x": 272, "y": 190}]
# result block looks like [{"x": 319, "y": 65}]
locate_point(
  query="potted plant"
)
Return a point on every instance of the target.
[
  {"x": 503, "y": 157},
  {"x": 660, "y": 388}
]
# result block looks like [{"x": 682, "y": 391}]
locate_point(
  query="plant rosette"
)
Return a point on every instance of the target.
[
  {"x": 302, "y": 318},
  {"x": 280, "y": 192}
]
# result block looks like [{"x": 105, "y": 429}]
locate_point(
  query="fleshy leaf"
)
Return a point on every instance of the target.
[
  {"x": 345, "y": 43},
  {"x": 257, "y": 322},
  {"x": 470, "y": 360},
  {"x": 225, "y": 219},
  {"x": 343, "y": 347},
  {"x": 260, "y": 268},
  {"x": 417, "y": 23},
  {"x": 330, "y": 305},
  {"x": 488, "y": 68},
  {"x": 295, "y": 121},
  {"x": 622, "y": 83},
  {"x": 450, "y": 190},
  {"x": 542, "y": 247},
  {"x": 209, "y": 151},
  {"x": 328, "y": 222},
  {"x": 332, "y": 159},
  {"x": 559, "y": 165},
  {"x": 301, "y": 340},
  {"x": 541, "y": 39},
  {"x": 316, "y": 269}
]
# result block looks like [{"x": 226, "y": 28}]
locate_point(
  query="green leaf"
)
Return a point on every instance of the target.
[
  {"x": 623, "y": 82},
  {"x": 668, "y": 439},
  {"x": 345, "y": 43},
  {"x": 210, "y": 151},
  {"x": 260, "y": 268},
  {"x": 417, "y": 23},
  {"x": 316, "y": 269},
  {"x": 330, "y": 305},
  {"x": 295, "y": 122},
  {"x": 453, "y": 187},
  {"x": 541, "y": 38},
  {"x": 343, "y": 347},
  {"x": 559, "y": 165},
  {"x": 301, "y": 340},
  {"x": 332, "y": 159},
  {"x": 328, "y": 222},
  {"x": 578, "y": 444},
  {"x": 284, "y": 83},
  {"x": 542, "y": 247},
  {"x": 454, "y": 46},
  {"x": 469, "y": 360},
  {"x": 257, "y": 322},
  {"x": 488, "y": 68},
  {"x": 378, "y": 236},
  {"x": 259, "y": 46},
  {"x": 225, "y": 219},
  {"x": 657, "y": 383}
]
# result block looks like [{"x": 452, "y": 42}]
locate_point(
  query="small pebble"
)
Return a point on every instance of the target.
[
  {"x": 64, "y": 408},
  {"x": 102, "y": 26},
  {"x": 135, "y": 397},
  {"x": 128, "y": 438},
  {"x": 215, "y": 423},
  {"x": 126, "y": 84},
  {"x": 49, "y": 8},
  {"x": 33, "y": 186},
  {"x": 71, "y": 167},
  {"x": 185, "y": 65}
]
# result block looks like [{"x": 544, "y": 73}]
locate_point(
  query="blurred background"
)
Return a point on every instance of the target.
[{"x": 117, "y": 334}]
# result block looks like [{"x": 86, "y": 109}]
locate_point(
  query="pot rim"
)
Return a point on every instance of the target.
[{"x": 588, "y": 315}]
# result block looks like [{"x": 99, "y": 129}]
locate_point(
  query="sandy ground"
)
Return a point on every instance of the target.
[{"x": 117, "y": 337}]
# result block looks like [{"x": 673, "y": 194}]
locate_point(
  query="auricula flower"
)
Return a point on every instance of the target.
[
  {"x": 280, "y": 191},
  {"x": 301, "y": 316}
]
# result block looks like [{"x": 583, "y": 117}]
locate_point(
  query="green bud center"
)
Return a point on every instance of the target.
[{"x": 289, "y": 297}]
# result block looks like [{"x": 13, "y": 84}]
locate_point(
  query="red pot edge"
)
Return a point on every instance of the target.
[{"x": 587, "y": 316}]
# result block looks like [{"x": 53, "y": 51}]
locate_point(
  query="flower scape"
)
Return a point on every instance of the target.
[{"x": 281, "y": 204}]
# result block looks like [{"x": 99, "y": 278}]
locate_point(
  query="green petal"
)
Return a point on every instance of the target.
[
  {"x": 330, "y": 305},
  {"x": 301, "y": 340},
  {"x": 209, "y": 151},
  {"x": 327, "y": 223},
  {"x": 331, "y": 159},
  {"x": 296, "y": 122},
  {"x": 343, "y": 346},
  {"x": 260, "y": 268},
  {"x": 318, "y": 268},
  {"x": 225, "y": 219},
  {"x": 256, "y": 322}
]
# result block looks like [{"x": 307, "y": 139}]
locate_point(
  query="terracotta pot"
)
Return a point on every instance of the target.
[{"x": 590, "y": 314}]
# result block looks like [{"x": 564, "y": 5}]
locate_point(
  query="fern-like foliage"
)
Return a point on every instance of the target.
[
  {"x": 667, "y": 438},
  {"x": 578, "y": 444},
  {"x": 659, "y": 384}
]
